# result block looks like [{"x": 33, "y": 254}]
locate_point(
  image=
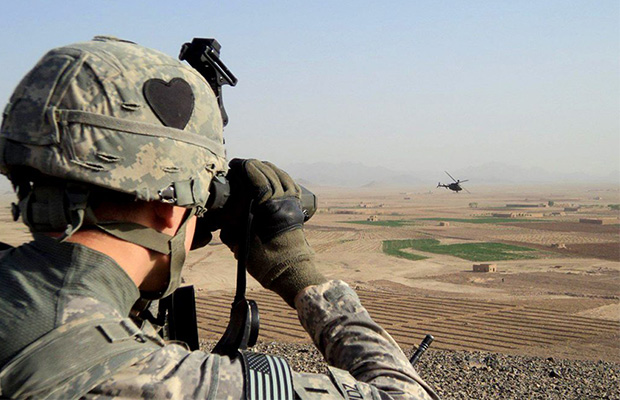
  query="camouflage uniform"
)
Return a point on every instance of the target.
[{"x": 46, "y": 284}]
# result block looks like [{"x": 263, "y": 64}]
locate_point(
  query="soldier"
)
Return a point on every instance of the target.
[{"x": 111, "y": 148}]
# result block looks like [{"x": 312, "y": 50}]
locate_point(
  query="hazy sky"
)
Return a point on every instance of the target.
[{"x": 406, "y": 85}]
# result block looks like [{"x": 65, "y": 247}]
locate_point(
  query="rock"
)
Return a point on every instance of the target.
[{"x": 554, "y": 374}]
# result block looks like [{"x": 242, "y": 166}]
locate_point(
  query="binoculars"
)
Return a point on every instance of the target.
[{"x": 222, "y": 194}]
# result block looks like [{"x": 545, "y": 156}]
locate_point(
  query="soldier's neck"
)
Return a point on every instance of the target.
[{"x": 138, "y": 262}]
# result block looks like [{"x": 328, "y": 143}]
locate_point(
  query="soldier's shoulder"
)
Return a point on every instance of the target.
[
  {"x": 80, "y": 306},
  {"x": 174, "y": 372}
]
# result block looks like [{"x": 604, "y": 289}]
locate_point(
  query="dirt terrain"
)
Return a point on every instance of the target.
[{"x": 564, "y": 304}]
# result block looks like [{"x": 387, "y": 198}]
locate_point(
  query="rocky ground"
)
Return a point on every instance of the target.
[{"x": 479, "y": 375}]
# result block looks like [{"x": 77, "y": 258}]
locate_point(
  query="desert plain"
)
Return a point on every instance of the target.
[{"x": 558, "y": 298}]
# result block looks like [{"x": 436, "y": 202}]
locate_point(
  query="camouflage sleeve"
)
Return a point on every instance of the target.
[
  {"x": 175, "y": 373},
  {"x": 349, "y": 339},
  {"x": 340, "y": 327}
]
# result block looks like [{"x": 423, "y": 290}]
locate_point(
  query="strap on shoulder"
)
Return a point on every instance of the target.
[{"x": 72, "y": 359}]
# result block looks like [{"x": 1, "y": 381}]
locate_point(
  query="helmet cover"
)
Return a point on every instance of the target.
[{"x": 114, "y": 114}]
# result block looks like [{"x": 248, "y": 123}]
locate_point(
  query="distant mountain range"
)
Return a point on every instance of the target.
[
  {"x": 357, "y": 175},
  {"x": 348, "y": 174}
]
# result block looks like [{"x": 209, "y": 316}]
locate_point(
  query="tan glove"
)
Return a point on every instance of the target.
[{"x": 280, "y": 258}]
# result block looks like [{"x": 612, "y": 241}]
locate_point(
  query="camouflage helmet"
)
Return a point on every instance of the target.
[{"x": 116, "y": 115}]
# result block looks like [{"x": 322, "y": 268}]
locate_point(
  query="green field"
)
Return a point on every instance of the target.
[
  {"x": 392, "y": 223},
  {"x": 480, "y": 220},
  {"x": 394, "y": 248},
  {"x": 466, "y": 251}
]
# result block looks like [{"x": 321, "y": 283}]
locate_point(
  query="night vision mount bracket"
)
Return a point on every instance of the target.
[{"x": 204, "y": 56}]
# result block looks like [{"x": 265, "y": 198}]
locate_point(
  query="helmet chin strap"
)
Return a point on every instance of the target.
[
  {"x": 178, "y": 253},
  {"x": 156, "y": 241},
  {"x": 66, "y": 208}
]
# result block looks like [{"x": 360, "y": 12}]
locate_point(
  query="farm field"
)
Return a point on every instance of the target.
[
  {"x": 484, "y": 251},
  {"x": 562, "y": 301}
]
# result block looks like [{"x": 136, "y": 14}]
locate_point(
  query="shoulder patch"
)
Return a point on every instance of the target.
[{"x": 267, "y": 377}]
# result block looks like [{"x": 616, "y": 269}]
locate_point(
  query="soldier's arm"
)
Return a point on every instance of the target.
[
  {"x": 172, "y": 372},
  {"x": 349, "y": 339},
  {"x": 369, "y": 364}
]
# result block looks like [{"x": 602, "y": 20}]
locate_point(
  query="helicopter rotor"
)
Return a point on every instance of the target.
[{"x": 455, "y": 181}]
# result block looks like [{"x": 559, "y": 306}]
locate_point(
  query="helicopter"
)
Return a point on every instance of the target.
[{"x": 454, "y": 186}]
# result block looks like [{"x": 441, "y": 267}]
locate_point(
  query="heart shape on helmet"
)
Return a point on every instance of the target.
[{"x": 172, "y": 102}]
